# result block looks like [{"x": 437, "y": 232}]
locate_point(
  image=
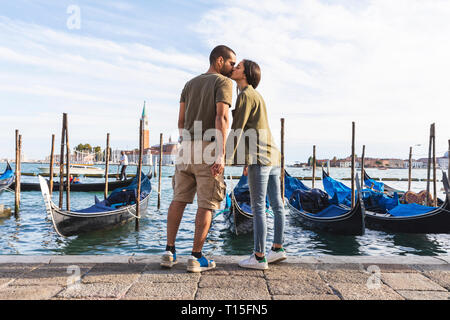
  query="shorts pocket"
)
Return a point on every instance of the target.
[{"x": 219, "y": 190}]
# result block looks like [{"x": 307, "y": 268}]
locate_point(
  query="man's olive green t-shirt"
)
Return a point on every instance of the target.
[
  {"x": 200, "y": 96},
  {"x": 252, "y": 141}
]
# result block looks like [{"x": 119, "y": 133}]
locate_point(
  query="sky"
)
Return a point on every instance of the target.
[{"x": 382, "y": 64}]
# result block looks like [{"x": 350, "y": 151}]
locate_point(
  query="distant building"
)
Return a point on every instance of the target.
[{"x": 169, "y": 155}]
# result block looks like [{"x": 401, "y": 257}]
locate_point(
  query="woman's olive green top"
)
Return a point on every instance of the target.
[{"x": 250, "y": 140}]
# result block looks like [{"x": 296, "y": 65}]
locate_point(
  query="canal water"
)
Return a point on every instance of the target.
[{"x": 32, "y": 232}]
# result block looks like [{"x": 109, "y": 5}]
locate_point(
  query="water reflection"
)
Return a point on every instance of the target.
[{"x": 418, "y": 244}]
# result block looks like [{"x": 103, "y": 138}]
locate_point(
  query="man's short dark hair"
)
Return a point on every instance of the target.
[{"x": 220, "y": 51}]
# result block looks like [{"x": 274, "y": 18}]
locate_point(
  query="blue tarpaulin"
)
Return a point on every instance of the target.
[
  {"x": 410, "y": 209},
  {"x": 374, "y": 185},
  {"x": 121, "y": 196}
]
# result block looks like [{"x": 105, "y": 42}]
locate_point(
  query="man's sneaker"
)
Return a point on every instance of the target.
[
  {"x": 199, "y": 265},
  {"x": 253, "y": 263},
  {"x": 169, "y": 259},
  {"x": 276, "y": 256}
]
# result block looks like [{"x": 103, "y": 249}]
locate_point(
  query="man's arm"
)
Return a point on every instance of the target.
[
  {"x": 181, "y": 117},
  {"x": 222, "y": 124}
]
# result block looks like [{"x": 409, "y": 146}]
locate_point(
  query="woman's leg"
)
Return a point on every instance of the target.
[
  {"x": 258, "y": 177},
  {"x": 276, "y": 202}
]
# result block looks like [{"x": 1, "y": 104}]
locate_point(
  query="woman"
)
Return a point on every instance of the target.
[{"x": 263, "y": 161}]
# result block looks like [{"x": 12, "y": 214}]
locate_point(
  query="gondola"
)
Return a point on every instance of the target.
[
  {"x": 413, "y": 218},
  {"x": 334, "y": 218},
  {"x": 7, "y": 178},
  {"x": 382, "y": 187},
  {"x": 409, "y": 218},
  {"x": 118, "y": 209},
  {"x": 79, "y": 187}
]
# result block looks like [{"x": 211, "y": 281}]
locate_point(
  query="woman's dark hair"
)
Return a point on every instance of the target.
[{"x": 252, "y": 72}]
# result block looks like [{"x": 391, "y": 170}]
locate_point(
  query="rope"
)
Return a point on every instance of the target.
[
  {"x": 128, "y": 209},
  {"x": 220, "y": 212}
]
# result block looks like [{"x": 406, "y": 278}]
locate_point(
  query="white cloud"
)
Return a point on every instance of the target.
[
  {"x": 101, "y": 84},
  {"x": 383, "y": 65}
]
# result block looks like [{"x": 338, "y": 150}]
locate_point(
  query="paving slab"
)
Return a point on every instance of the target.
[
  {"x": 29, "y": 292},
  {"x": 114, "y": 273},
  {"x": 10, "y": 271},
  {"x": 161, "y": 291},
  {"x": 354, "y": 291},
  {"x": 381, "y": 259},
  {"x": 410, "y": 281},
  {"x": 24, "y": 259},
  {"x": 392, "y": 268},
  {"x": 344, "y": 276},
  {"x": 74, "y": 259},
  {"x": 232, "y": 283},
  {"x": 94, "y": 290},
  {"x": 243, "y": 293},
  {"x": 424, "y": 295},
  {"x": 52, "y": 274},
  {"x": 169, "y": 276},
  {"x": 442, "y": 278}
]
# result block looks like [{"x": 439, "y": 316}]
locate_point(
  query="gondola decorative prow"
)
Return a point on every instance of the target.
[
  {"x": 446, "y": 185},
  {"x": 46, "y": 194}
]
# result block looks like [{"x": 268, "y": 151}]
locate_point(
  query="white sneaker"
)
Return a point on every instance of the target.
[
  {"x": 252, "y": 263},
  {"x": 276, "y": 256},
  {"x": 168, "y": 260}
]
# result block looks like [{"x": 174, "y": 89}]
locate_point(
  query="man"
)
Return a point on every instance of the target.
[
  {"x": 205, "y": 100},
  {"x": 123, "y": 163}
]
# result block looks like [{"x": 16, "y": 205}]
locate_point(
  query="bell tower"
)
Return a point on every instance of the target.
[{"x": 144, "y": 117}]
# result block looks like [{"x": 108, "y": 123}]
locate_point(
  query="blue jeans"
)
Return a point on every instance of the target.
[{"x": 262, "y": 181}]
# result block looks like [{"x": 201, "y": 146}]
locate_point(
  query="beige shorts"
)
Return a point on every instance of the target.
[{"x": 191, "y": 179}]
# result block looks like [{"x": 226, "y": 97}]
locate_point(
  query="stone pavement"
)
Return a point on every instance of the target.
[{"x": 298, "y": 278}]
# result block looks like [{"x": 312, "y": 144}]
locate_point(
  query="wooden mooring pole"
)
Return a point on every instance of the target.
[
  {"x": 314, "y": 167},
  {"x": 18, "y": 172},
  {"x": 61, "y": 163},
  {"x": 160, "y": 169},
  {"x": 353, "y": 164},
  {"x": 106, "y": 165},
  {"x": 429, "y": 163},
  {"x": 52, "y": 159},
  {"x": 434, "y": 169},
  {"x": 67, "y": 164},
  {"x": 139, "y": 168},
  {"x": 282, "y": 160},
  {"x": 362, "y": 166},
  {"x": 410, "y": 169}
]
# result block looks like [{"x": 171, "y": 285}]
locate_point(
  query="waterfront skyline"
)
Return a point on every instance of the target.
[{"x": 382, "y": 64}]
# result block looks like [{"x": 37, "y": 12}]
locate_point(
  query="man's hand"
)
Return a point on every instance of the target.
[{"x": 218, "y": 167}]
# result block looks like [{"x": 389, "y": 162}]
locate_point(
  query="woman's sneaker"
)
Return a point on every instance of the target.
[
  {"x": 276, "y": 256},
  {"x": 200, "y": 264},
  {"x": 168, "y": 259},
  {"x": 253, "y": 263}
]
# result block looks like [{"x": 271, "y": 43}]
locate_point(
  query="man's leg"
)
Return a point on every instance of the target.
[
  {"x": 176, "y": 210},
  {"x": 202, "y": 224}
]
